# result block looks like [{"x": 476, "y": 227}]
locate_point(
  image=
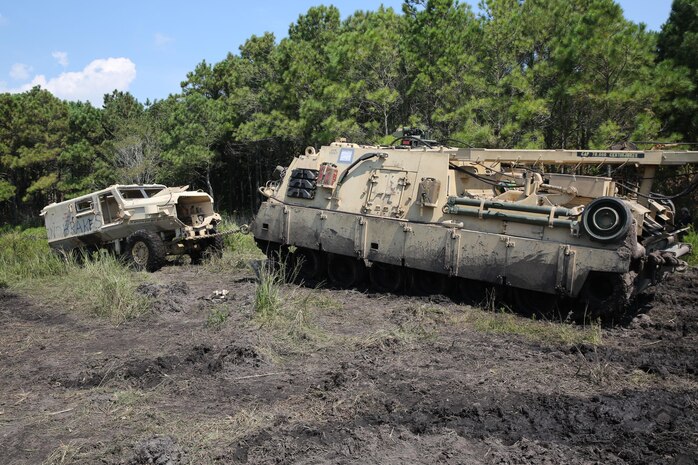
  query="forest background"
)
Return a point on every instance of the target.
[{"x": 518, "y": 74}]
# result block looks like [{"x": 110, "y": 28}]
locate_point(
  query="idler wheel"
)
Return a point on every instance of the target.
[
  {"x": 428, "y": 283},
  {"x": 345, "y": 272},
  {"x": 386, "y": 278},
  {"x": 308, "y": 265}
]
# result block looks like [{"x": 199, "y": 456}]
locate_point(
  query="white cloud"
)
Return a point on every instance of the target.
[
  {"x": 161, "y": 39},
  {"x": 61, "y": 58},
  {"x": 20, "y": 72},
  {"x": 3, "y": 20},
  {"x": 96, "y": 79}
]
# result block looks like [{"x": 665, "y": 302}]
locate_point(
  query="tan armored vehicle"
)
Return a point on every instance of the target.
[
  {"x": 493, "y": 221},
  {"x": 145, "y": 223}
]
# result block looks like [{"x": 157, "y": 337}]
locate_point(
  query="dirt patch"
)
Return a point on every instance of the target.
[
  {"x": 170, "y": 297},
  {"x": 387, "y": 379},
  {"x": 157, "y": 451}
]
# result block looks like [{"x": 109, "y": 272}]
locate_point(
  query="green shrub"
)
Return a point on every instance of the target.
[{"x": 692, "y": 238}]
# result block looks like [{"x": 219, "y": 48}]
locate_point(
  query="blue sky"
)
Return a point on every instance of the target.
[{"x": 82, "y": 49}]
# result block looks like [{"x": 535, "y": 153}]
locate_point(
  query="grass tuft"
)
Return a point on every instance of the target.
[
  {"x": 63, "y": 454},
  {"x": 504, "y": 322},
  {"x": 286, "y": 308},
  {"x": 217, "y": 317},
  {"x": 267, "y": 297}
]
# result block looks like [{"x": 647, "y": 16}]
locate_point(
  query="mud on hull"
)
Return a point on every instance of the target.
[{"x": 534, "y": 276}]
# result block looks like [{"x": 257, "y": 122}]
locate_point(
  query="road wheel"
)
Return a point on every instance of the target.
[
  {"x": 604, "y": 296},
  {"x": 146, "y": 251},
  {"x": 386, "y": 278},
  {"x": 530, "y": 303},
  {"x": 308, "y": 265},
  {"x": 475, "y": 293},
  {"x": 345, "y": 272},
  {"x": 428, "y": 283}
]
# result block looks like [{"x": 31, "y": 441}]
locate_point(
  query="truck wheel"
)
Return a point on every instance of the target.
[
  {"x": 209, "y": 248},
  {"x": 216, "y": 246},
  {"x": 146, "y": 251}
]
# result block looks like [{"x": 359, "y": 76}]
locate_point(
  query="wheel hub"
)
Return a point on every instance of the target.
[{"x": 140, "y": 253}]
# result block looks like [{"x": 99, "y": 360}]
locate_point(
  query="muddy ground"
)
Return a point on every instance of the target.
[{"x": 343, "y": 377}]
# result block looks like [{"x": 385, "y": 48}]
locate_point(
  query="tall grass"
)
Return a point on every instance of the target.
[
  {"x": 25, "y": 255},
  {"x": 101, "y": 285},
  {"x": 267, "y": 297},
  {"x": 286, "y": 308}
]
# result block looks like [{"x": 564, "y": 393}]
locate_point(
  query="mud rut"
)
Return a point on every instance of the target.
[{"x": 386, "y": 382}]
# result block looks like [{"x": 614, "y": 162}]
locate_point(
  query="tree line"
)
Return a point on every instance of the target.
[{"x": 514, "y": 74}]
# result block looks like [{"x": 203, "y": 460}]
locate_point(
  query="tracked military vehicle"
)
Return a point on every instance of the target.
[
  {"x": 424, "y": 216},
  {"x": 144, "y": 223}
]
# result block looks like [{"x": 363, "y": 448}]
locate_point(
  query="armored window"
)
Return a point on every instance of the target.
[
  {"x": 132, "y": 193},
  {"x": 152, "y": 192},
  {"x": 83, "y": 206}
]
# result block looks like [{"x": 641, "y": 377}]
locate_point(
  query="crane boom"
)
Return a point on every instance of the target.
[{"x": 579, "y": 157}]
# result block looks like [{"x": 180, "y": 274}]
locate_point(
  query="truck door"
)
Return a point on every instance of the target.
[{"x": 109, "y": 207}]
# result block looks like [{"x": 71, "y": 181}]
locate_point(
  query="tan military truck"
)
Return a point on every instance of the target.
[
  {"x": 422, "y": 216},
  {"x": 144, "y": 223}
]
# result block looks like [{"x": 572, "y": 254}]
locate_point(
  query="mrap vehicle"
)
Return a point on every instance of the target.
[
  {"x": 421, "y": 216},
  {"x": 145, "y": 223}
]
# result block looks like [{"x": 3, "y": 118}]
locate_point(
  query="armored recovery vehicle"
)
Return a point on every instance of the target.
[
  {"x": 144, "y": 223},
  {"x": 422, "y": 216}
]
